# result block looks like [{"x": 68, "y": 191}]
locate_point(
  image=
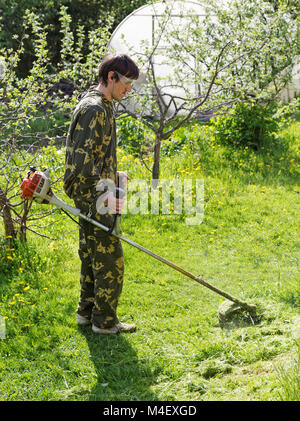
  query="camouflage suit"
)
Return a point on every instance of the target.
[{"x": 91, "y": 156}]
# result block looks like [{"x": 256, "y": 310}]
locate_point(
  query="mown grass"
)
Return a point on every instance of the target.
[{"x": 247, "y": 244}]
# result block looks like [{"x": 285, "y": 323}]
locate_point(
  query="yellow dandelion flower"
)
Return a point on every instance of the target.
[
  {"x": 9, "y": 258},
  {"x": 11, "y": 303},
  {"x": 21, "y": 269},
  {"x": 26, "y": 288},
  {"x": 21, "y": 283}
]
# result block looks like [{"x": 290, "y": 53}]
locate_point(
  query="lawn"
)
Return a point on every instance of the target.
[{"x": 247, "y": 245}]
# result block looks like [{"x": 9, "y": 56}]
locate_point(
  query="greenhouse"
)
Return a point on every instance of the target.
[{"x": 149, "y": 30}]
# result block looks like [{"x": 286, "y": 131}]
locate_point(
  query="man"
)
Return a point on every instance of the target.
[{"x": 91, "y": 157}]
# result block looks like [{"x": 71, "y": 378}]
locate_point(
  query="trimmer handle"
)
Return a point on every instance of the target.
[{"x": 119, "y": 193}]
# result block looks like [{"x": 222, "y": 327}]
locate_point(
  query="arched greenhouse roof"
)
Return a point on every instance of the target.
[{"x": 140, "y": 25}]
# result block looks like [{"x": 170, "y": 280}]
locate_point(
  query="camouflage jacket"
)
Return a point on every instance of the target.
[{"x": 91, "y": 147}]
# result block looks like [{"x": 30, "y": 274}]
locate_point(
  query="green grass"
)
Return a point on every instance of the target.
[{"x": 247, "y": 245}]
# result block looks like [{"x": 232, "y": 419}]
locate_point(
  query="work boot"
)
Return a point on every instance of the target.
[
  {"x": 119, "y": 328},
  {"x": 82, "y": 321}
]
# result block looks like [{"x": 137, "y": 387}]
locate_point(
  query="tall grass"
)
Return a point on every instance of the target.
[{"x": 289, "y": 378}]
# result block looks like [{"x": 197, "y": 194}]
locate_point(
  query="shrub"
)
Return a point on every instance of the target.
[{"x": 251, "y": 125}]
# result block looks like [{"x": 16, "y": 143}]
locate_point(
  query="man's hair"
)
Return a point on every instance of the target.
[{"x": 120, "y": 63}]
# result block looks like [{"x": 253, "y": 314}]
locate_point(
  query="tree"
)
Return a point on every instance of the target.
[
  {"x": 88, "y": 14},
  {"x": 35, "y": 113},
  {"x": 241, "y": 52}
]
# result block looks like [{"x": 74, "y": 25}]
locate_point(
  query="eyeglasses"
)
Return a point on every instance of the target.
[{"x": 125, "y": 80}]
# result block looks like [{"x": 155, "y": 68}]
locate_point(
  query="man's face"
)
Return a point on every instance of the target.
[{"x": 121, "y": 87}]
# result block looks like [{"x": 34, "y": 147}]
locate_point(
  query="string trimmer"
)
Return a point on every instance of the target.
[{"x": 37, "y": 186}]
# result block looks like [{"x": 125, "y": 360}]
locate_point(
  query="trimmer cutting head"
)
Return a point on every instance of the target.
[{"x": 234, "y": 315}]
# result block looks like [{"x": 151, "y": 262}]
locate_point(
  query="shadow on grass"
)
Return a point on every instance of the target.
[{"x": 121, "y": 376}]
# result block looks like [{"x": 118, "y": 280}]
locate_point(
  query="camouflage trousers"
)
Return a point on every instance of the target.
[{"x": 102, "y": 270}]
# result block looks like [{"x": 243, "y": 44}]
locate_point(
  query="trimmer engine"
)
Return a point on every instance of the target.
[{"x": 37, "y": 186}]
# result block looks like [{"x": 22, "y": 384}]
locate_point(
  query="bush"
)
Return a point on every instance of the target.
[{"x": 251, "y": 125}]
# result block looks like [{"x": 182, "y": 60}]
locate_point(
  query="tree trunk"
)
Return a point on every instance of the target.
[
  {"x": 7, "y": 219},
  {"x": 155, "y": 168},
  {"x": 23, "y": 227}
]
